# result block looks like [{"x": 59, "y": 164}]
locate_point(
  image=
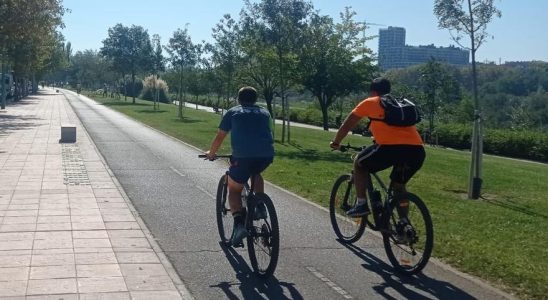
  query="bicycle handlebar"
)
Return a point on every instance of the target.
[
  {"x": 347, "y": 147},
  {"x": 217, "y": 156}
]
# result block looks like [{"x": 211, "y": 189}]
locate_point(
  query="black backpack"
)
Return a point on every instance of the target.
[{"x": 399, "y": 111}]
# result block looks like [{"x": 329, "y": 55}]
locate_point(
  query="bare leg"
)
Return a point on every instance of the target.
[
  {"x": 259, "y": 184},
  {"x": 399, "y": 189},
  {"x": 235, "y": 195},
  {"x": 360, "y": 180}
]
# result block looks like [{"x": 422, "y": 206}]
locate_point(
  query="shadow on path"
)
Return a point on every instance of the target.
[
  {"x": 10, "y": 123},
  {"x": 429, "y": 287},
  {"x": 251, "y": 286}
]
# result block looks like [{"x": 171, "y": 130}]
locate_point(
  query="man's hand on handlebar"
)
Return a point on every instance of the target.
[
  {"x": 334, "y": 145},
  {"x": 210, "y": 156}
]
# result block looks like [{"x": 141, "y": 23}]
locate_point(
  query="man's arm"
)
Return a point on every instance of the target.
[
  {"x": 216, "y": 144},
  {"x": 350, "y": 122}
]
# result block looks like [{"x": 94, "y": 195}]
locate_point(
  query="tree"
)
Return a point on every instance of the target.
[
  {"x": 28, "y": 37},
  {"x": 432, "y": 78},
  {"x": 282, "y": 22},
  {"x": 183, "y": 56},
  {"x": 328, "y": 63},
  {"x": 90, "y": 69},
  {"x": 157, "y": 67},
  {"x": 260, "y": 59},
  {"x": 129, "y": 49},
  {"x": 470, "y": 18},
  {"x": 226, "y": 53}
]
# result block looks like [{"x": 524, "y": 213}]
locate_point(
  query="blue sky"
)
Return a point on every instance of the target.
[{"x": 521, "y": 33}]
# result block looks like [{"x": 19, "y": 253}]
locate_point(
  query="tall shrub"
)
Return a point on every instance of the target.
[{"x": 150, "y": 86}]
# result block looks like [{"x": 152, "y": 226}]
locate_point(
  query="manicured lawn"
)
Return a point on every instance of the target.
[{"x": 502, "y": 238}]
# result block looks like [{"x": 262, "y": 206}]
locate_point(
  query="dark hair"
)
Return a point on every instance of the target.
[
  {"x": 247, "y": 95},
  {"x": 380, "y": 85}
]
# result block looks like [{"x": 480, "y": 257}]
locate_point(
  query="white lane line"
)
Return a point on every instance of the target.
[
  {"x": 206, "y": 192},
  {"x": 177, "y": 171},
  {"x": 330, "y": 283},
  {"x": 198, "y": 187}
]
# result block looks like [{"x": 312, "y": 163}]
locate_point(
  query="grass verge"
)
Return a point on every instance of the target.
[{"x": 500, "y": 238}]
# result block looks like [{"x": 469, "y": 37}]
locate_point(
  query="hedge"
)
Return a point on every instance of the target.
[{"x": 526, "y": 144}]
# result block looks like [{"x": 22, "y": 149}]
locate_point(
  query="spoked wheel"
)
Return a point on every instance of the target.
[
  {"x": 343, "y": 197},
  {"x": 263, "y": 242},
  {"x": 409, "y": 237},
  {"x": 224, "y": 217}
]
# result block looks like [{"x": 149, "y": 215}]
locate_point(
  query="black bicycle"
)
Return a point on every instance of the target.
[
  {"x": 403, "y": 220},
  {"x": 261, "y": 222}
]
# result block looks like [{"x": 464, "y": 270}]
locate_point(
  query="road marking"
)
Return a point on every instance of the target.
[
  {"x": 329, "y": 283},
  {"x": 206, "y": 192},
  {"x": 177, "y": 171}
]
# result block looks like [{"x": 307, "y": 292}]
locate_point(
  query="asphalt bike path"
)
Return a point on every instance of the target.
[{"x": 174, "y": 193}]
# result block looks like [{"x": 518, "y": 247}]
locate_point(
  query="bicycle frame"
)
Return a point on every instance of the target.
[{"x": 386, "y": 190}]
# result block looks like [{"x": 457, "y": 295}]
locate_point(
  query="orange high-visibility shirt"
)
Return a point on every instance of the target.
[{"x": 383, "y": 133}]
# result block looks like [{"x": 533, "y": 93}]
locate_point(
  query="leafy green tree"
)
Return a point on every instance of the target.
[
  {"x": 28, "y": 37},
  {"x": 328, "y": 63},
  {"x": 183, "y": 56},
  {"x": 470, "y": 18},
  {"x": 226, "y": 53},
  {"x": 432, "y": 79},
  {"x": 282, "y": 23},
  {"x": 158, "y": 65},
  {"x": 259, "y": 58},
  {"x": 90, "y": 69},
  {"x": 129, "y": 49}
]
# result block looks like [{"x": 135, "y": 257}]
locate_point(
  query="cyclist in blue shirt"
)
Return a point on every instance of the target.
[{"x": 252, "y": 151}]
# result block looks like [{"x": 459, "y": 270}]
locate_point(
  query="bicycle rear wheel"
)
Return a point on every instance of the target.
[
  {"x": 224, "y": 217},
  {"x": 263, "y": 242},
  {"x": 408, "y": 240},
  {"x": 343, "y": 197}
]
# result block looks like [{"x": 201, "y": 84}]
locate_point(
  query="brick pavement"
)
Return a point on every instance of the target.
[{"x": 66, "y": 228}]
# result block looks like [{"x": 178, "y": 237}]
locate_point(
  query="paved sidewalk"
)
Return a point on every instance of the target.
[{"x": 66, "y": 229}]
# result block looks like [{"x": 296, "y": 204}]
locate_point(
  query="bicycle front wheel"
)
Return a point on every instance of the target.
[
  {"x": 224, "y": 217},
  {"x": 263, "y": 242},
  {"x": 343, "y": 197},
  {"x": 409, "y": 235}
]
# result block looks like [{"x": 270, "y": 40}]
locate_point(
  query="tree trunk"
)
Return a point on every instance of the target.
[
  {"x": 125, "y": 87},
  {"x": 180, "y": 113},
  {"x": 288, "y": 111},
  {"x": 3, "y": 85},
  {"x": 431, "y": 119},
  {"x": 133, "y": 86},
  {"x": 282, "y": 92},
  {"x": 325, "y": 117}
]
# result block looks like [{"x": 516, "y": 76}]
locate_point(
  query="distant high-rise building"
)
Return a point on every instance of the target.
[{"x": 394, "y": 53}]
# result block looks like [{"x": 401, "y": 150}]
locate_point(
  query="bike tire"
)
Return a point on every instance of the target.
[
  {"x": 347, "y": 229},
  {"x": 224, "y": 217},
  {"x": 263, "y": 242},
  {"x": 422, "y": 226}
]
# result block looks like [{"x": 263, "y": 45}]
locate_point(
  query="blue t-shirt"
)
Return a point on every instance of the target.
[{"x": 249, "y": 127}]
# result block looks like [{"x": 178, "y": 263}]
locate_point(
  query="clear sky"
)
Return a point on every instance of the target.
[{"x": 520, "y": 35}]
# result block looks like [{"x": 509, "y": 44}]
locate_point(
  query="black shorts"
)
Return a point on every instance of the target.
[
  {"x": 242, "y": 168},
  {"x": 406, "y": 160}
]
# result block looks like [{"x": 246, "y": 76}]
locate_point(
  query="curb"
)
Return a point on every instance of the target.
[{"x": 183, "y": 291}]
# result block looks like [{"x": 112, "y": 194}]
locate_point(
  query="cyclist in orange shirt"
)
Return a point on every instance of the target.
[{"x": 399, "y": 147}]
